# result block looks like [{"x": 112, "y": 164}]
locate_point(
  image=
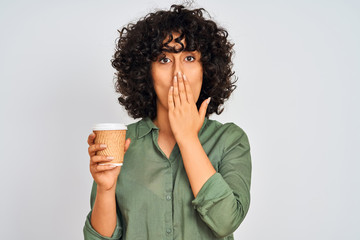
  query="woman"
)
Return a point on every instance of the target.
[{"x": 184, "y": 176}]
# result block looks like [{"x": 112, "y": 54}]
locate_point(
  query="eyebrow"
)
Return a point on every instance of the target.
[{"x": 193, "y": 52}]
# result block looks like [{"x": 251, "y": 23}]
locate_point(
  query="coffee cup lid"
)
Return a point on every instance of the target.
[{"x": 109, "y": 126}]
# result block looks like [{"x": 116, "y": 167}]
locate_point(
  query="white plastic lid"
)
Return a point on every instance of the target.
[{"x": 109, "y": 126}]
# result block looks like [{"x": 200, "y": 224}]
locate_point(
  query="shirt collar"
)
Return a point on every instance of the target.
[{"x": 146, "y": 125}]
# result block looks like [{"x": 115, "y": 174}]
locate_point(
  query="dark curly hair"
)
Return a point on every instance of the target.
[{"x": 142, "y": 43}]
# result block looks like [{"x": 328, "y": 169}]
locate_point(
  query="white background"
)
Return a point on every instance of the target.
[{"x": 297, "y": 99}]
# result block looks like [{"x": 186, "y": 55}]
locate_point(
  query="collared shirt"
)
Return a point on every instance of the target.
[{"x": 153, "y": 195}]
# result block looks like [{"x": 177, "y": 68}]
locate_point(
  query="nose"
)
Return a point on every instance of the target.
[{"x": 177, "y": 67}]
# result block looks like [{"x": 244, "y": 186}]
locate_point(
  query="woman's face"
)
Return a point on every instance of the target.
[{"x": 165, "y": 68}]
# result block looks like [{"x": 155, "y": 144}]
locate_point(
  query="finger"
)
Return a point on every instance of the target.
[
  {"x": 203, "y": 107},
  {"x": 189, "y": 94},
  {"x": 182, "y": 92},
  {"x": 99, "y": 159},
  {"x": 96, "y": 147},
  {"x": 101, "y": 168},
  {"x": 176, "y": 92},
  {"x": 91, "y": 138},
  {"x": 171, "y": 98},
  {"x": 127, "y": 144}
]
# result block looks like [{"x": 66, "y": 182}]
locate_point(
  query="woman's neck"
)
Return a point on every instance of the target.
[{"x": 162, "y": 122}]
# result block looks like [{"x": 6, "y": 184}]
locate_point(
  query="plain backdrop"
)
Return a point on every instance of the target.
[{"x": 297, "y": 98}]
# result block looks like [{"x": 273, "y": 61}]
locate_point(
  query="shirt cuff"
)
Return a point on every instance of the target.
[
  {"x": 91, "y": 234},
  {"x": 214, "y": 190}
]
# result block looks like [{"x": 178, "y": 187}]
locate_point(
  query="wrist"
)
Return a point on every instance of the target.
[
  {"x": 103, "y": 191},
  {"x": 185, "y": 140}
]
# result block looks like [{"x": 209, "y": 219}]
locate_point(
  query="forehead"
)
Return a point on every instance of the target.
[{"x": 175, "y": 41}]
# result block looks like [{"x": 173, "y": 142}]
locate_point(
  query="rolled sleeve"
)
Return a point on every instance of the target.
[
  {"x": 224, "y": 199},
  {"x": 207, "y": 197},
  {"x": 90, "y": 233}
]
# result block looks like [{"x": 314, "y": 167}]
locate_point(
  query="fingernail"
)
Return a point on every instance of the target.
[
  {"x": 103, "y": 145},
  {"x": 208, "y": 100},
  {"x": 179, "y": 73},
  {"x": 175, "y": 79},
  {"x": 92, "y": 134},
  {"x": 110, "y": 158},
  {"x": 184, "y": 77}
]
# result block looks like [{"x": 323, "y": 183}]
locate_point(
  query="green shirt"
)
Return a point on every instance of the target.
[{"x": 154, "y": 199}]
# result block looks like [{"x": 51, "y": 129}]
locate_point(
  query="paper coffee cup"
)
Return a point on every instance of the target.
[{"x": 113, "y": 135}]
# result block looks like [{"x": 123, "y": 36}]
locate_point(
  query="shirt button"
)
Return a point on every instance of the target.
[
  {"x": 168, "y": 197},
  {"x": 168, "y": 230}
]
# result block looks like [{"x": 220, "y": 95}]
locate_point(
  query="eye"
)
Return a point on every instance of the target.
[
  {"x": 187, "y": 58},
  {"x": 163, "y": 59}
]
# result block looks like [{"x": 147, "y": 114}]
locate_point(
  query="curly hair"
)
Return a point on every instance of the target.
[{"x": 142, "y": 43}]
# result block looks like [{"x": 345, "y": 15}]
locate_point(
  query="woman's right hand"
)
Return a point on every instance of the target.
[{"x": 104, "y": 175}]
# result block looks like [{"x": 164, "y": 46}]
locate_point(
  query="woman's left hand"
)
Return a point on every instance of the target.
[{"x": 185, "y": 119}]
